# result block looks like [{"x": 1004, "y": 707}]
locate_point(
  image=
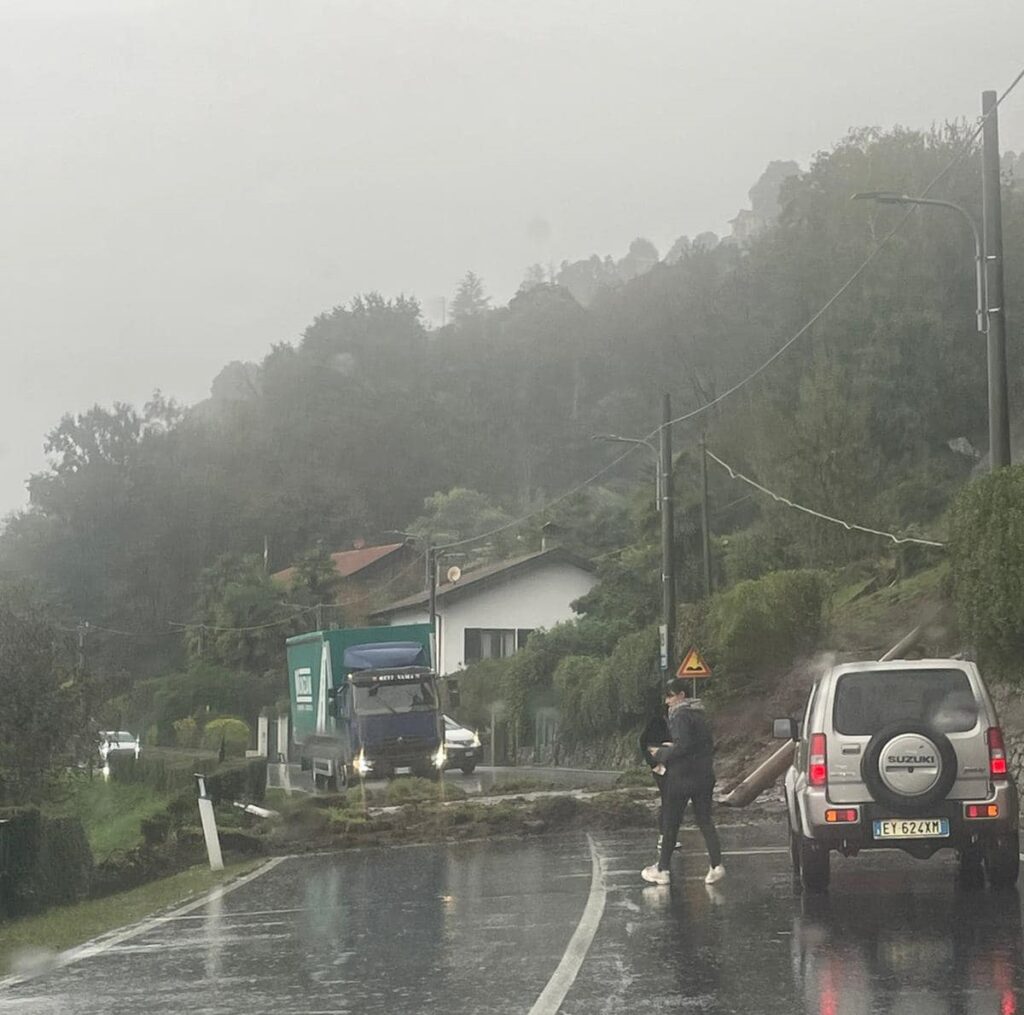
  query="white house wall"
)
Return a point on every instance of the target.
[{"x": 537, "y": 598}]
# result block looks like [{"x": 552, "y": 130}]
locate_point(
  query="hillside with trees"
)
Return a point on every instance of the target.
[{"x": 159, "y": 525}]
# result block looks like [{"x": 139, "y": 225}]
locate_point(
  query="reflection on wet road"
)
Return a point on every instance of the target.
[{"x": 482, "y": 927}]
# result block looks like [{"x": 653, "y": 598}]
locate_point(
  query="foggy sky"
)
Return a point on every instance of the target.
[{"x": 186, "y": 182}]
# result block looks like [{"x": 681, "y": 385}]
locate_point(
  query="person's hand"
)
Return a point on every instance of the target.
[
  {"x": 658, "y": 770},
  {"x": 652, "y": 751}
]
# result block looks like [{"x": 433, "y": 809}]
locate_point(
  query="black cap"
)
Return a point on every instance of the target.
[{"x": 677, "y": 685}]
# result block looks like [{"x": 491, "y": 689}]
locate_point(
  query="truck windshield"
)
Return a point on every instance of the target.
[
  {"x": 865, "y": 702},
  {"x": 383, "y": 699}
]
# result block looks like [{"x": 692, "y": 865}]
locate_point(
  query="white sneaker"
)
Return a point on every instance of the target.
[
  {"x": 656, "y": 876},
  {"x": 714, "y": 875}
]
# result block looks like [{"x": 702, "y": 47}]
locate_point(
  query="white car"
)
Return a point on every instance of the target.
[
  {"x": 118, "y": 742},
  {"x": 462, "y": 746}
]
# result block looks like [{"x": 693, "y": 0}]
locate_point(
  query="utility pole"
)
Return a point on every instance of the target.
[
  {"x": 432, "y": 587},
  {"x": 83, "y": 630},
  {"x": 668, "y": 576},
  {"x": 705, "y": 524},
  {"x": 998, "y": 399}
]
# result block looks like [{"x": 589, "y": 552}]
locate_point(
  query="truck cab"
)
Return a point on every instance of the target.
[{"x": 365, "y": 702}]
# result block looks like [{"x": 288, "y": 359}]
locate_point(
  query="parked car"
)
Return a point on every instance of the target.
[
  {"x": 118, "y": 742},
  {"x": 902, "y": 755},
  {"x": 461, "y": 745}
]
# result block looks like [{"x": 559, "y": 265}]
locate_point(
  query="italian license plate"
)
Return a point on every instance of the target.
[{"x": 912, "y": 828}]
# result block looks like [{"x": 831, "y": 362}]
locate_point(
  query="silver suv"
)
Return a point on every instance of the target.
[{"x": 901, "y": 755}]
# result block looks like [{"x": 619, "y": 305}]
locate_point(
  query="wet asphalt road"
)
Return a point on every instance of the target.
[{"x": 483, "y": 927}]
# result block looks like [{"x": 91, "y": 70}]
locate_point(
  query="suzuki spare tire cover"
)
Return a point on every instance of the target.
[{"x": 909, "y": 766}]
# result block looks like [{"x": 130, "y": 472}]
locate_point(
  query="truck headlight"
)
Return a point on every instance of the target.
[
  {"x": 362, "y": 764},
  {"x": 475, "y": 742},
  {"x": 440, "y": 759}
]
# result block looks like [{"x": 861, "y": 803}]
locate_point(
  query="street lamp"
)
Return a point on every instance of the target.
[
  {"x": 614, "y": 438},
  {"x": 891, "y": 197}
]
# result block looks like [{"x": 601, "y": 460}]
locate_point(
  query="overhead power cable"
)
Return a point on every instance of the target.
[
  {"x": 849, "y": 526},
  {"x": 516, "y": 522},
  {"x": 861, "y": 268},
  {"x": 857, "y": 272}
]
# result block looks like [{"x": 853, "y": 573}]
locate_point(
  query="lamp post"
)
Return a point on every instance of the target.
[
  {"x": 614, "y": 438},
  {"x": 891, "y": 197},
  {"x": 990, "y": 317}
]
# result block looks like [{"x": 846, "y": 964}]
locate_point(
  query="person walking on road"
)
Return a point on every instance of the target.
[
  {"x": 689, "y": 775},
  {"x": 655, "y": 734}
]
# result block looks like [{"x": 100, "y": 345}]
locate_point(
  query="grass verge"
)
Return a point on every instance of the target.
[
  {"x": 111, "y": 812},
  {"x": 66, "y": 926}
]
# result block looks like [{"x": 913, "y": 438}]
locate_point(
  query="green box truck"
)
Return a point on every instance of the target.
[{"x": 365, "y": 702}]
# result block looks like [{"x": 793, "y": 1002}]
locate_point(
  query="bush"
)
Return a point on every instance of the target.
[
  {"x": 155, "y": 829},
  {"x": 987, "y": 558},
  {"x": 238, "y": 780},
  {"x": 762, "y": 625},
  {"x": 634, "y": 672},
  {"x": 186, "y": 732},
  {"x": 162, "y": 770},
  {"x": 233, "y": 733},
  {"x": 48, "y": 861}
]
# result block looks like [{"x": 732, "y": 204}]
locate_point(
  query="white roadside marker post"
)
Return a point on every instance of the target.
[{"x": 209, "y": 824}]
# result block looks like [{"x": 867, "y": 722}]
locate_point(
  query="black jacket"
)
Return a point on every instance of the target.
[
  {"x": 655, "y": 734},
  {"x": 693, "y": 747}
]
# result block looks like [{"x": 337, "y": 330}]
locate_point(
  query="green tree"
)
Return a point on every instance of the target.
[
  {"x": 987, "y": 561},
  {"x": 470, "y": 299},
  {"x": 43, "y": 719},
  {"x": 239, "y": 620}
]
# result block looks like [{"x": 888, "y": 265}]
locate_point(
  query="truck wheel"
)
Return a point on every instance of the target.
[
  {"x": 815, "y": 866},
  {"x": 1002, "y": 860},
  {"x": 468, "y": 768}
]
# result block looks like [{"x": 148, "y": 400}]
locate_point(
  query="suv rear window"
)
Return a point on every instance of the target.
[{"x": 865, "y": 702}]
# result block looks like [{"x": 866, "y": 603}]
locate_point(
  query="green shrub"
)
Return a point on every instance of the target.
[
  {"x": 48, "y": 861},
  {"x": 762, "y": 625},
  {"x": 987, "y": 557},
  {"x": 155, "y": 829},
  {"x": 160, "y": 769},
  {"x": 186, "y": 732},
  {"x": 635, "y": 678},
  {"x": 244, "y": 780},
  {"x": 233, "y": 733}
]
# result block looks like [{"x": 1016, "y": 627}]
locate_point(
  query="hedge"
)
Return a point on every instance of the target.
[
  {"x": 244, "y": 778},
  {"x": 44, "y": 861}
]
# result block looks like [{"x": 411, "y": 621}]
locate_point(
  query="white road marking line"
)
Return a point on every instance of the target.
[
  {"x": 552, "y": 996},
  {"x": 107, "y": 941}
]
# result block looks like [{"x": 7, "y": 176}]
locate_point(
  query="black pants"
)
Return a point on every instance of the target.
[{"x": 677, "y": 792}]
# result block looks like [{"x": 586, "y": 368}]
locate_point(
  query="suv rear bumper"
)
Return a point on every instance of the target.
[{"x": 851, "y": 837}]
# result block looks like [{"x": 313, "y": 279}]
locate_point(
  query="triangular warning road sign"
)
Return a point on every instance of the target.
[{"x": 693, "y": 666}]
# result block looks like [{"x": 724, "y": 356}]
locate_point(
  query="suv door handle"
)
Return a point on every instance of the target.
[{"x": 851, "y": 748}]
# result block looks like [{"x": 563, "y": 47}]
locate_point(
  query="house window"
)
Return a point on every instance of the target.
[{"x": 492, "y": 642}]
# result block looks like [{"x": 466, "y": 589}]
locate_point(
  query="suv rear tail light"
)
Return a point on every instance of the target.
[
  {"x": 982, "y": 810},
  {"x": 817, "y": 764},
  {"x": 844, "y": 815},
  {"x": 996, "y": 753}
]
